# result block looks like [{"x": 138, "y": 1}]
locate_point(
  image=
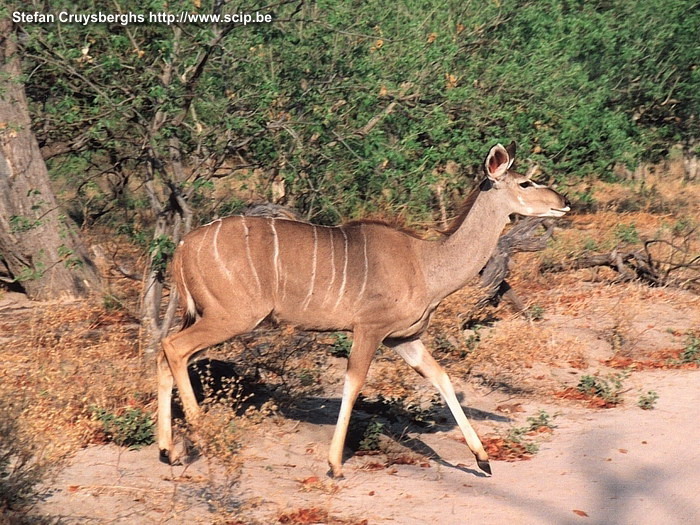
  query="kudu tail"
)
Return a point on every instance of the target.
[{"x": 184, "y": 295}]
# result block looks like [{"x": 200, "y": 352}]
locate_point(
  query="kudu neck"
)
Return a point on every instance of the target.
[{"x": 451, "y": 262}]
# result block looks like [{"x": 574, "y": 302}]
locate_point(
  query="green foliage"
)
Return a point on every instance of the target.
[
  {"x": 308, "y": 377},
  {"x": 473, "y": 339},
  {"x": 133, "y": 428},
  {"x": 342, "y": 345},
  {"x": 29, "y": 273},
  {"x": 541, "y": 419},
  {"x": 535, "y": 312},
  {"x": 66, "y": 255},
  {"x": 356, "y": 109},
  {"x": 371, "y": 437},
  {"x": 691, "y": 352},
  {"x": 161, "y": 250},
  {"x": 609, "y": 388},
  {"x": 627, "y": 233},
  {"x": 536, "y": 424},
  {"x": 648, "y": 400},
  {"x": 21, "y": 224}
]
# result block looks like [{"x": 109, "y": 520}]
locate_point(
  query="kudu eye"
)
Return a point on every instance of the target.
[{"x": 526, "y": 184}]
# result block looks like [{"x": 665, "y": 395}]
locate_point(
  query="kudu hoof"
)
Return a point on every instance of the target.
[
  {"x": 335, "y": 473},
  {"x": 484, "y": 465},
  {"x": 164, "y": 457}
]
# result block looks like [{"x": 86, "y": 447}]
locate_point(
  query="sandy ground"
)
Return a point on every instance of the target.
[{"x": 608, "y": 466}]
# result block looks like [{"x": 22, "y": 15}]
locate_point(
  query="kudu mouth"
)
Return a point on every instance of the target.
[{"x": 557, "y": 212}]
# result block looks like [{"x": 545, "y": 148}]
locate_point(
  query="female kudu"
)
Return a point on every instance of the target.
[{"x": 378, "y": 282}]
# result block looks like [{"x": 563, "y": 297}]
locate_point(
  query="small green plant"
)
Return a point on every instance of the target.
[
  {"x": 682, "y": 226},
  {"x": 541, "y": 419},
  {"x": 691, "y": 352},
  {"x": 342, "y": 345},
  {"x": 133, "y": 428},
  {"x": 370, "y": 438},
  {"x": 590, "y": 245},
  {"x": 627, "y": 233},
  {"x": 111, "y": 302},
  {"x": 585, "y": 199},
  {"x": 473, "y": 338},
  {"x": 609, "y": 388},
  {"x": 521, "y": 436},
  {"x": 535, "y": 312},
  {"x": 648, "y": 400},
  {"x": 307, "y": 377}
]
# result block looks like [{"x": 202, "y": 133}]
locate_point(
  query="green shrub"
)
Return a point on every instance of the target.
[
  {"x": 371, "y": 436},
  {"x": 691, "y": 352},
  {"x": 607, "y": 388},
  {"x": 132, "y": 428},
  {"x": 648, "y": 400},
  {"x": 342, "y": 345}
]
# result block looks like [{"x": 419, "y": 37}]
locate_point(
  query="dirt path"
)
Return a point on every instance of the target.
[{"x": 623, "y": 465}]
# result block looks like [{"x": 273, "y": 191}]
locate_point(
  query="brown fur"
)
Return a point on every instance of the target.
[{"x": 466, "y": 208}]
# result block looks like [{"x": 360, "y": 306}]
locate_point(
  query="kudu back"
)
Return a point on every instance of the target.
[{"x": 369, "y": 278}]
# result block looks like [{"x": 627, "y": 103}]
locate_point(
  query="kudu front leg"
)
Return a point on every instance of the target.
[
  {"x": 363, "y": 348},
  {"x": 418, "y": 357}
]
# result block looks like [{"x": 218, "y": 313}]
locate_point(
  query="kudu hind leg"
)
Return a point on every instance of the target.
[
  {"x": 416, "y": 355},
  {"x": 165, "y": 397},
  {"x": 177, "y": 350}
]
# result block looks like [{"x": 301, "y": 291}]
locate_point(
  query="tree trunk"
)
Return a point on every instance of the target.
[{"x": 39, "y": 247}]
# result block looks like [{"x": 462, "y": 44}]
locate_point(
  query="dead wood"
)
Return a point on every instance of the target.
[
  {"x": 523, "y": 237},
  {"x": 678, "y": 267}
]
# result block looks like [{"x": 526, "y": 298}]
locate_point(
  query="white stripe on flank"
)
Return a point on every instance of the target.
[
  {"x": 248, "y": 255},
  {"x": 313, "y": 270},
  {"x": 331, "y": 230},
  {"x": 364, "y": 249},
  {"x": 330, "y": 284},
  {"x": 189, "y": 301},
  {"x": 217, "y": 255},
  {"x": 345, "y": 270},
  {"x": 275, "y": 255},
  {"x": 201, "y": 243}
]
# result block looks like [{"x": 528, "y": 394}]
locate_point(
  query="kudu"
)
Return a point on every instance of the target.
[{"x": 381, "y": 283}]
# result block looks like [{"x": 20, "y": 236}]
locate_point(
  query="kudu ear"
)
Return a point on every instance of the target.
[{"x": 498, "y": 161}]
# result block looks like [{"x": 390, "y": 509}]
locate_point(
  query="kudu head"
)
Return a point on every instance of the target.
[{"x": 522, "y": 195}]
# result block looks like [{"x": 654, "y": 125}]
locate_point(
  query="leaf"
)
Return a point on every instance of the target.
[
  {"x": 310, "y": 480},
  {"x": 580, "y": 513}
]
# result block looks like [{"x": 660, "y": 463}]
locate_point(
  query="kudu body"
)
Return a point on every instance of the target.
[{"x": 378, "y": 282}]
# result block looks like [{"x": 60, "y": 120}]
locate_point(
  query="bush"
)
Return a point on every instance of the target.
[
  {"x": 350, "y": 109},
  {"x": 648, "y": 400},
  {"x": 133, "y": 428},
  {"x": 609, "y": 388}
]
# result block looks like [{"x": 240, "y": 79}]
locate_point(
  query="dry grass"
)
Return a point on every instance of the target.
[
  {"x": 65, "y": 359},
  {"x": 518, "y": 344},
  {"x": 59, "y": 363}
]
